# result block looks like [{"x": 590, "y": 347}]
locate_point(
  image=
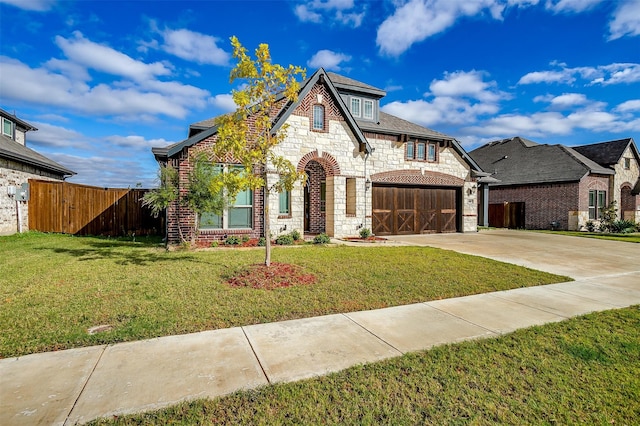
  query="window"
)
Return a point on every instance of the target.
[
  {"x": 420, "y": 152},
  {"x": 367, "y": 109},
  {"x": 285, "y": 203},
  {"x": 7, "y": 127},
  {"x": 410, "y": 150},
  {"x": 351, "y": 197},
  {"x": 597, "y": 200},
  {"x": 355, "y": 107},
  {"x": 318, "y": 117},
  {"x": 627, "y": 163},
  {"x": 237, "y": 216},
  {"x": 431, "y": 152}
]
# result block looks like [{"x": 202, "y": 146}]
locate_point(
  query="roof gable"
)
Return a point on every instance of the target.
[
  {"x": 607, "y": 154},
  {"x": 518, "y": 161}
]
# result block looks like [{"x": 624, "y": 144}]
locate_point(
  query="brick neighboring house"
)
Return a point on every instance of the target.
[
  {"x": 558, "y": 186},
  {"x": 365, "y": 168},
  {"x": 18, "y": 164}
]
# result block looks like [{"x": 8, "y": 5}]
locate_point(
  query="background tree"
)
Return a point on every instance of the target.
[{"x": 247, "y": 135}]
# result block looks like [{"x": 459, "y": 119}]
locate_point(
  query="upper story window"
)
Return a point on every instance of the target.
[
  {"x": 318, "y": 117},
  {"x": 367, "y": 110},
  {"x": 421, "y": 151},
  {"x": 355, "y": 107},
  {"x": 627, "y": 163},
  {"x": 7, "y": 127}
]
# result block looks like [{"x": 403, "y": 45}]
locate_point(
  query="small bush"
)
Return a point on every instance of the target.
[
  {"x": 365, "y": 233},
  {"x": 245, "y": 238},
  {"x": 622, "y": 226},
  {"x": 284, "y": 240},
  {"x": 262, "y": 241},
  {"x": 591, "y": 226},
  {"x": 214, "y": 244},
  {"x": 295, "y": 234},
  {"x": 321, "y": 239},
  {"x": 232, "y": 240}
]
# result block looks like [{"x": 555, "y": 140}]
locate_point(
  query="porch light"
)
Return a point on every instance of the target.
[{"x": 367, "y": 184}]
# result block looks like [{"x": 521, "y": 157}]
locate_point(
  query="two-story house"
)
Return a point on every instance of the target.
[
  {"x": 365, "y": 168},
  {"x": 18, "y": 164}
]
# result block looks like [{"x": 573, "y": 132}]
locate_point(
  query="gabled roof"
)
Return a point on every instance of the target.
[
  {"x": 279, "y": 120},
  {"x": 350, "y": 85},
  {"x": 15, "y": 151},
  {"x": 18, "y": 121},
  {"x": 608, "y": 154},
  {"x": 519, "y": 161}
]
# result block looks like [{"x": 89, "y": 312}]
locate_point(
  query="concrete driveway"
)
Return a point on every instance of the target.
[{"x": 576, "y": 257}]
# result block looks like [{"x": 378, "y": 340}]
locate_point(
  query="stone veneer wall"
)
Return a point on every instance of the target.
[
  {"x": 15, "y": 174},
  {"x": 624, "y": 177}
]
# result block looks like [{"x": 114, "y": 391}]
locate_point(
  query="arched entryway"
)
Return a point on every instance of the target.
[
  {"x": 627, "y": 202},
  {"x": 320, "y": 170}
]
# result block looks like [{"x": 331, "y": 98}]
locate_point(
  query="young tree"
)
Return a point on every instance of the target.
[
  {"x": 201, "y": 195},
  {"x": 247, "y": 135}
]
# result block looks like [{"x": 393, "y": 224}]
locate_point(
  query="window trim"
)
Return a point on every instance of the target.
[
  {"x": 224, "y": 218},
  {"x": 597, "y": 200},
  {"x": 317, "y": 107},
  {"x": 11, "y": 127}
]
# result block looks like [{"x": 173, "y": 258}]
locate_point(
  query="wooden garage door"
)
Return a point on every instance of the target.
[{"x": 413, "y": 210}]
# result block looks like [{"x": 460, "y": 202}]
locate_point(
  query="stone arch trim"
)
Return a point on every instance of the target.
[
  {"x": 417, "y": 177},
  {"x": 326, "y": 160}
]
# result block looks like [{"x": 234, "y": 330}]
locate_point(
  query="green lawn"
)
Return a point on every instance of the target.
[
  {"x": 629, "y": 238},
  {"x": 53, "y": 288},
  {"x": 582, "y": 371}
]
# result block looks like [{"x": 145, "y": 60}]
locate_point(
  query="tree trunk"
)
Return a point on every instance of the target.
[{"x": 267, "y": 229}]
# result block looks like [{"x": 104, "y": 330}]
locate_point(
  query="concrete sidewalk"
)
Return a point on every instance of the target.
[{"x": 79, "y": 385}]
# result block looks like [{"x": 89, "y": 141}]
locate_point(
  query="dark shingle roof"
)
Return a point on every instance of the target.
[
  {"x": 345, "y": 83},
  {"x": 518, "y": 161},
  {"x": 605, "y": 153},
  {"x": 394, "y": 125},
  {"x": 15, "y": 151}
]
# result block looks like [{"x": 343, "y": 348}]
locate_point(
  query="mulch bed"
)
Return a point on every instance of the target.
[{"x": 277, "y": 275}]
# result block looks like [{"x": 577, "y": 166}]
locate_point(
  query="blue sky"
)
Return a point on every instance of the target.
[{"x": 104, "y": 81}]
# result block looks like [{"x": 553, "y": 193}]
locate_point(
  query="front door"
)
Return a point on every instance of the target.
[{"x": 307, "y": 205}]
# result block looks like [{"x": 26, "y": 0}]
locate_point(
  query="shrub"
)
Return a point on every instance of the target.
[
  {"x": 232, "y": 240},
  {"x": 245, "y": 238},
  {"x": 284, "y": 240},
  {"x": 214, "y": 244},
  {"x": 321, "y": 239},
  {"x": 295, "y": 234},
  {"x": 365, "y": 233},
  {"x": 622, "y": 226},
  {"x": 591, "y": 226},
  {"x": 262, "y": 241}
]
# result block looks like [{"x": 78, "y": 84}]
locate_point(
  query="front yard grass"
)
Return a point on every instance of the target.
[
  {"x": 53, "y": 288},
  {"x": 584, "y": 370}
]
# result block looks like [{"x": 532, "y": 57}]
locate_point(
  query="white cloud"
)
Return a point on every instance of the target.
[
  {"x": 192, "y": 46},
  {"x": 616, "y": 73},
  {"x": 126, "y": 99},
  {"x": 416, "y": 20},
  {"x": 224, "y": 102},
  {"x": 343, "y": 12},
  {"x": 571, "y": 6},
  {"x": 626, "y": 19},
  {"x": 328, "y": 59},
  {"x": 460, "y": 98},
  {"x": 134, "y": 142},
  {"x": 629, "y": 106},
  {"x": 49, "y": 135},
  {"x": 102, "y": 58},
  {"x": 568, "y": 100},
  {"x": 33, "y": 5}
]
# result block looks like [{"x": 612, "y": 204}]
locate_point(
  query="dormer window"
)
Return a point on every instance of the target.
[
  {"x": 7, "y": 127},
  {"x": 367, "y": 111},
  {"x": 355, "y": 107}
]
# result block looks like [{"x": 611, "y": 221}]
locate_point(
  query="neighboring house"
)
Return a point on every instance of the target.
[
  {"x": 365, "y": 168},
  {"x": 18, "y": 164},
  {"x": 554, "y": 186}
]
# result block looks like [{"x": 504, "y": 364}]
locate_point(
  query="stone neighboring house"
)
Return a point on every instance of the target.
[
  {"x": 365, "y": 168},
  {"x": 18, "y": 164},
  {"x": 561, "y": 187}
]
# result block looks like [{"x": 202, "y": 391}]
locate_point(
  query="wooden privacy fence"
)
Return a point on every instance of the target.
[
  {"x": 87, "y": 210},
  {"x": 506, "y": 215}
]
